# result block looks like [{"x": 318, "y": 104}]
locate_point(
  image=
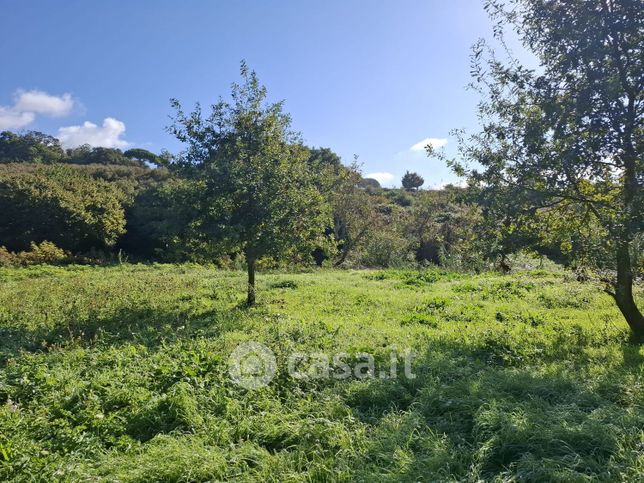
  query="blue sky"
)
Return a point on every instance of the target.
[{"x": 367, "y": 77}]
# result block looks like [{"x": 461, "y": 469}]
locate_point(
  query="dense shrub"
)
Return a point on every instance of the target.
[
  {"x": 386, "y": 249},
  {"x": 162, "y": 224},
  {"x": 43, "y": 253},
  {"x": 6, "y": 258},
  {"x": 60, "y": 204},
  {"x": 39, "y": 253}
]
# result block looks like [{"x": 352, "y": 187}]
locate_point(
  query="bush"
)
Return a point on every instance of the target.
[
  {"x": 400, "y": 197},
  {"x": 6, "y": 258},
  {"x": 386, "y": 249},
  {"x": 43, "y": 253},
  {"x": 162, "y": 224}
]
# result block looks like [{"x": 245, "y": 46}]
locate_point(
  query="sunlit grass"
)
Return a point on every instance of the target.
[{"x": 120, "y": 373}]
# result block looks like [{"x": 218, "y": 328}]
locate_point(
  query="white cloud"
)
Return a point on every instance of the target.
[
  {"x": 108, "y": 135},
  {"x": 458, "y": 182},
  {"x": 434, "y": 142},
  {"x": 29, "y": 103},
  {"x": 10, "y": 119},
  {"x": 382, "y": 178},
  {"x": 40, "y": 102}
]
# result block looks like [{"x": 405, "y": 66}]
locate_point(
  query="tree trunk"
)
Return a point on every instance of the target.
[
  {"x": 624, "y": 291},
  {"x": 250, "y": 301},
  {"x": 346, "y": 248}
]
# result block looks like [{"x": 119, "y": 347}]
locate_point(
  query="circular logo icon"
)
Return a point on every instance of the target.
[{"x": 252, "y": 365}]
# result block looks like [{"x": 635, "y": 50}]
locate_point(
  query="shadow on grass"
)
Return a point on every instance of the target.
[
  {"x": 470, "y": 417},
  {"x": 146, "y": 326}
]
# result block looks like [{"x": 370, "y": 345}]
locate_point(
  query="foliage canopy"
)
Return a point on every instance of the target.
[{"x": 259, "y": 196}]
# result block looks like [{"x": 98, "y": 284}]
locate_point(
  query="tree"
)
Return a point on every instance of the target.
[
  {"x": 145, "y": 155},
  {"x": 31, "y": 147},
  {"x": 369, "y": 183},
  {"x": 85, "y": 154},
  {"x": 259, "y": 196},
  {"x": 320, "y": 157},
  {"x": 567, "y": 138},
  {"x": 412, "y": 181},
  {"x": 354, "y": 214}
]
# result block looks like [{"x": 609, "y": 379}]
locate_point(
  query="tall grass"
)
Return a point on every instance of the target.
[{"x": 120, "y": 374}]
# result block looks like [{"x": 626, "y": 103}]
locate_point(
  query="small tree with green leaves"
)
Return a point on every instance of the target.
[
  {"x": 412, "y": 181},
  {"x": 259, "y": 196}
]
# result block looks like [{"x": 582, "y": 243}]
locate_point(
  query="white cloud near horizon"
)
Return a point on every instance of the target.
[
  {"x": 40, "y": 102},
  {"x": 27, "y": 104},
  {"x": 108, "y": 135},
  {"x": 414, "y": 158},
  {"x": 382, "y": 177},
  {"x": 434, "y": 142},
  {"x": 10, "y": 119}
]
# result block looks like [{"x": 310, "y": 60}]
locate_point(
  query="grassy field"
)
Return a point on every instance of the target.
[{"x": 121, "y": 374}]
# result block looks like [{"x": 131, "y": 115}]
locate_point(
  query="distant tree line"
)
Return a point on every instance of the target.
[
  {"x": 195, "y": 207},
  {"x": 261, "y": 200},
  {"x": 36, "y": 147},
  {"x": 114, "y": 201}
]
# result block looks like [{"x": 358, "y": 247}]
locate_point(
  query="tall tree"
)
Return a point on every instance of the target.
[
  {"x": 259, "y": 196},
  {"x": 568, "y": 136}
]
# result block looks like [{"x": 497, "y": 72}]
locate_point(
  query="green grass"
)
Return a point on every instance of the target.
[{"x": 120, "y": 374}]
